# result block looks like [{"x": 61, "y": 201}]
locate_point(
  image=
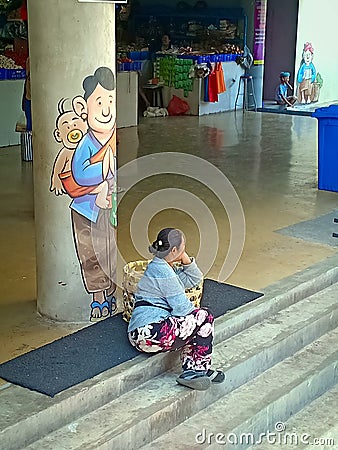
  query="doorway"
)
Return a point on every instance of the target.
[{"x": 280, "y": 44}]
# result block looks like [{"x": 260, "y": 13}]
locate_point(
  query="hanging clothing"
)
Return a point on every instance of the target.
[
  {"x": 206, "y": 89},
  {"x": 23, "y": 11},
  {"x": 220, "y": 78},
  {"x": 213, "y": 85}
]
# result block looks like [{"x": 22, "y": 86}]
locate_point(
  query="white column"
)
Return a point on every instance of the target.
[{"x": 68, "y": 41}]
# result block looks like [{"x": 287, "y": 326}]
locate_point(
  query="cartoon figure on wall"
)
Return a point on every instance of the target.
[
  {"x": 69, "y": 130},
  {"x": 85, "y": 169},
  {"x": 309, "y": 81}
]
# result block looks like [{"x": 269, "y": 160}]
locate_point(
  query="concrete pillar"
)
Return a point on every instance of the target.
[{"x": 68, "y": 41}]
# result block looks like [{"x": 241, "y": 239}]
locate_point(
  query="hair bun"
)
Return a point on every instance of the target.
[
  {"x": 165, "y": 241},
  {"x": 155, "y": 245}
]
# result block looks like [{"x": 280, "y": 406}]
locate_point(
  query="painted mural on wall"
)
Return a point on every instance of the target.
[
  {"x": 85, "y": 169},
  {"x": 308, "y": 79}
]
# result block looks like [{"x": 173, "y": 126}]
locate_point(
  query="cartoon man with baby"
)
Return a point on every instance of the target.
[{"x": 88, "y": 174}]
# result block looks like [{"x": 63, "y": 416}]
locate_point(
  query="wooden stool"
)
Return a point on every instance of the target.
[
  {"x": 247, "y": 95},
  {"x": 157, "y": 94}
]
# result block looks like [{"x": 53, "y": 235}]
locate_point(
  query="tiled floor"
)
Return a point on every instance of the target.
[{"x": 269, "y": 159}]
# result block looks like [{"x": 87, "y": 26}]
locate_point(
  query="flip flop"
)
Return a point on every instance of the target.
[{"x": 95, "y": 304}]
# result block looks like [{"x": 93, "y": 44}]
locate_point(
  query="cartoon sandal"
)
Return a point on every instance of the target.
[{"x": 103, "y": 309}]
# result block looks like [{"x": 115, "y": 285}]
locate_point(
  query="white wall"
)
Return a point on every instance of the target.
[
  {"x": 317, "y": 24},
  {"x": 10, "y": 112}
]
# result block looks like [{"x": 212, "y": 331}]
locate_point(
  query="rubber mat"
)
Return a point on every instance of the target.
[{"x": 82, "y": 355}]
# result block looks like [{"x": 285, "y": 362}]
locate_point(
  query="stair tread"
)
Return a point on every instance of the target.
[
  {"x": 240, "y": 407},
  {"x": 162, "y": 396},
  {"x": 281, "y": 325},
  {"x": 249, "y": 342},
  {"x": 318, "y": 420},
  {"x": 29, "y": 402}
]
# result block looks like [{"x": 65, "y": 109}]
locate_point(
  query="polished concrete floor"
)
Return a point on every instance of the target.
[{"x": 269, "y": 159}]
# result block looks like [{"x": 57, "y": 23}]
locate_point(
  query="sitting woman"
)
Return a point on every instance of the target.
[{"x": 165, "y": 320}]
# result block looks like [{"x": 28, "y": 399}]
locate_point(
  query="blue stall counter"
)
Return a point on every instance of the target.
[{"x": 327, "y": 147}]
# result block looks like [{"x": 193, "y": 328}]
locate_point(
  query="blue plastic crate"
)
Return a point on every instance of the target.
[
  {"x": 3, "y": 74},
  {"x": 16, "y": 74},
  {"x": 136, "y": 65},
  {"x": 144, "y": 55},
  {"x": 135, "y": 56},
  {"x": 124, "y": 67}
]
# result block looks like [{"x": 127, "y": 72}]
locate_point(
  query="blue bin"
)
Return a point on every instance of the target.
[{"x": 327, "y": 147}]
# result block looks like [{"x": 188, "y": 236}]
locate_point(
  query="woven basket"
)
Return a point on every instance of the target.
[{"x": 132, "y": 273}]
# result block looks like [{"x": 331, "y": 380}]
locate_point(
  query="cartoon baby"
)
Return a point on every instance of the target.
[{"x": 70, "y": 128}]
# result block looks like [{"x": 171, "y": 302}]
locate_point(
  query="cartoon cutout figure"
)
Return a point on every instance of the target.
[
  {"x": 306, "y": 75},
  {"x": 70, "y": 129},
  {"x": 87, "y": 172}
]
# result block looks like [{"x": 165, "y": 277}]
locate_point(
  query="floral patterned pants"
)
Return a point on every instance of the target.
[{"x": 192, "y": 334}]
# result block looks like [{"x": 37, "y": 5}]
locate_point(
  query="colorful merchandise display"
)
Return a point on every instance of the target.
[
  {"x": 179, "y": 72},
  {"x": 13, "y": 39},
  {"x": 175, "y": 72}
]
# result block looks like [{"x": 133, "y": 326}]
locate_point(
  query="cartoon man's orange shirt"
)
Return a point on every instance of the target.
[{"x": 74, "y": 189}]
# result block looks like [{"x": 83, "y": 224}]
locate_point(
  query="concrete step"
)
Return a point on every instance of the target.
[
  {"x": 261, "y": 406},
  {"x": 26, "y": 416},
  {"x": 146, "y": 412},
  {"x": 279, "y": 296},
  {"x": 316, "y": 426}
]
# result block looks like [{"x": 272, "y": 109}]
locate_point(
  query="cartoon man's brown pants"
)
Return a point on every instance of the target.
[{"x": 96, "y": 249}]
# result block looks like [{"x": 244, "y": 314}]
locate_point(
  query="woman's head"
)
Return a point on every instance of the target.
[
  {"x": 166, "y": 44},
  {"x": 166, "y": 39},
  {"x": 168, "y": 241}
]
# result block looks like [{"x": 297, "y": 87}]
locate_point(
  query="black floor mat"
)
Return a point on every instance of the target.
[{"x": 82, "y": 355}]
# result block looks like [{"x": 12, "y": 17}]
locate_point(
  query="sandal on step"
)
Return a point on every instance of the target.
[
  {"x": 216, "y": 376},
  {"x": 194, "y": 380},
  {"x": 100, "y": 306}
]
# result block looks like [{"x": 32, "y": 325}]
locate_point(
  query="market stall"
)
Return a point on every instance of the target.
[
  {"x": 203, "y": 48},
  {"x": 13, "y": 55},
  {"x": 208, "y": 83}
]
